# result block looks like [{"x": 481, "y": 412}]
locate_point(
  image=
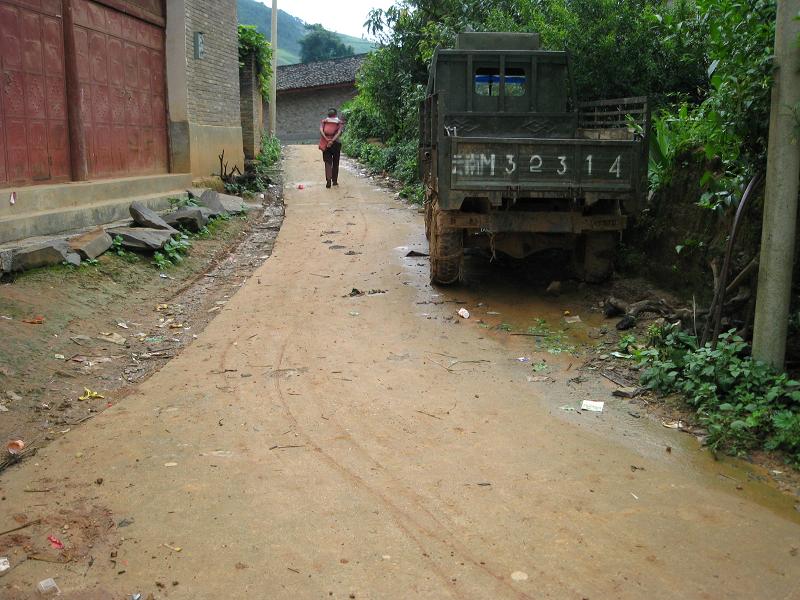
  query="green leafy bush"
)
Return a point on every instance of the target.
[
  {"x": 270, "y": 151},
  {"x": 253, "y": 42},
  {"x": 118, "y": 248},
  {"x": 177, "y": 202},
  {"x": 727, "y": 127},
  {"x": 173, "y": 252},
  {"x": 744, "y": 404}
]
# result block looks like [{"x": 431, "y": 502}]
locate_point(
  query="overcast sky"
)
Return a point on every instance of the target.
[{"x": 344, "y": 16}]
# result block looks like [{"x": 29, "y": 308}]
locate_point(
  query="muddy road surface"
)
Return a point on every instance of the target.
[{"x": 314, "y": 444}]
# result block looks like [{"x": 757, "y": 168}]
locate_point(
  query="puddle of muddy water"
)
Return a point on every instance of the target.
[{"x": 503, "y": 300}]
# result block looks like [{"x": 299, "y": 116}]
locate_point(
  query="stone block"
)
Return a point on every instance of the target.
[
  {"x": 92, "y": 244},
  {"x": 191, "y": 218},
  {"x": 209, "y": 199},
  {"x": 145, "y": 217},
  {"x": 235, "y": 205},
  {"x": 43, "y": 254},
  {"x": 141, "y": 238},
  {"x": 5, "y": 261}
]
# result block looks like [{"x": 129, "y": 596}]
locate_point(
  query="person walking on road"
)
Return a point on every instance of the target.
[{"x": 330, "y": 129}]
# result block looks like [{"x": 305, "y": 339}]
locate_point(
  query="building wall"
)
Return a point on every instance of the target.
[
  {"x": 203, "y": 92},
  {"x": 299, "y": 113},
  {"x": 213, "y": 81}
]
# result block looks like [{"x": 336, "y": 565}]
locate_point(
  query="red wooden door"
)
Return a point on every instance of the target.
[
  {"x": 34, "y": 139},
  {"x": 121, "y": 77}
]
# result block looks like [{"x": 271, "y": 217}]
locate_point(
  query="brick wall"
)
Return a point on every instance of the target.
[
  {"x": 213, "y": 81},
  {"x": 299, "y": 113},
  {"x": 250, "y": 104}
]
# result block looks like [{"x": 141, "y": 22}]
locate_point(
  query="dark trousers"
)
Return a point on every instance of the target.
[{"x": 331, "y": 157}]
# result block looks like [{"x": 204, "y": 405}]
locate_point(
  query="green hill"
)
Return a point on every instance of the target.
[{"x": 290, "y": 30}]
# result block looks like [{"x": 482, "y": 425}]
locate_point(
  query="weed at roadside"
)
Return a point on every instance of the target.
[
  {"x": 743, "y": 403},
  {"x": 172, "y": 253},
  {"x": 118, "y": 248}
]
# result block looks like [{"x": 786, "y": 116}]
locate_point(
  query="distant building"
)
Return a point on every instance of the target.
[
  {"x": 307, "y": 90},
  {"x": 103, "y": 100}
]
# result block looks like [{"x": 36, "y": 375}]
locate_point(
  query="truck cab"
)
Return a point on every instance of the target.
[{"x": 513, "y": 163}]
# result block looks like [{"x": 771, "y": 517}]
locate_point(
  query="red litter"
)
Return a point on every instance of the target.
[
  {"x": 300, "y": 186},
  {"x": 55, "y": 542}
]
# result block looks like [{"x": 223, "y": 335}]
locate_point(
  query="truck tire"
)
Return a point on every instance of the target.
[
  {"x": 593, "y": 259},
  {"x": 446, "y": 250}
]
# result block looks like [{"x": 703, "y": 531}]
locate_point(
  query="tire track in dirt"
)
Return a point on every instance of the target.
[{"x": 412, "y": 527}]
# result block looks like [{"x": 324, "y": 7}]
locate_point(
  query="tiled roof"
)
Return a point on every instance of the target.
[{"x": 336, "y": 71}]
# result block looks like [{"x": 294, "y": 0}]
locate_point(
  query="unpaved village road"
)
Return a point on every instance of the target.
[{"x": 314, "y": 445}]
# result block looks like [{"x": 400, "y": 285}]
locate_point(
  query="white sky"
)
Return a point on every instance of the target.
[{"x": 344, "y": 16}]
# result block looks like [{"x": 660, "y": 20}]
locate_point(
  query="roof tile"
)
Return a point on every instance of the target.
[{"x": 321, "y": 73}]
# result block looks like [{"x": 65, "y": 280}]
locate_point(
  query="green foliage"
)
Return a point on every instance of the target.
[
  {"x": 270, "y": 151},
  {"x": 626, "y": 341},
  {"x": 619, "y": 47},
  {"x": 176, "y": 203},
  {"x": 252, "y": 42},
  {"x": 727, "y": 128},
  {"x": 743, "y": 403},
  {"x": 321, "y": 44},
  {"x": 398, "y": 160},
  {"x": 118, "y": 248},
  {"x": 173, "y": 252}
]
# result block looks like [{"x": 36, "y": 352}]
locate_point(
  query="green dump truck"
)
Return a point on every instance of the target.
[{"x": 513, "y": 163}]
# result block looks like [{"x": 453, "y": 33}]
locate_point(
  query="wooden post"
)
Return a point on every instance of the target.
[
  {"x": 273, "y": 84},
  {"x": 79, "y": 156}
]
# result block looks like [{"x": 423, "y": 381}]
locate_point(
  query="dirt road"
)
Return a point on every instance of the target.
[{"x": 312, "y": 444}]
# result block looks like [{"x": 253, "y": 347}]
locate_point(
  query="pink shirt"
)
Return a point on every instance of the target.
[{"x": 331, "y": 126}]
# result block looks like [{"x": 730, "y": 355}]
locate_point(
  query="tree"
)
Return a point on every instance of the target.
[{"x": 321, "y": 44}]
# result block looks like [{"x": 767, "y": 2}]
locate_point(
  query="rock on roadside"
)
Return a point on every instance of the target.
[
  {"x": 145, "y": 217},
  {"x": 5, "y": 260},
  {"x": 92, "y": 244},
  {"x": 235, "y": 205},
  {"x": 209, "y": 199},
  {"x": 142, "y": 238},
  {"x": 191, "y": 218},
  {"x": 44, "y": 254}
]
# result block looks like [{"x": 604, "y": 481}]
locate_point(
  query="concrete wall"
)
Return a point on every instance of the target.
[
  {"x": 203, "y": 92},
  {"x": 251, "y": 108},
  {"x": 300, "y": 112}
]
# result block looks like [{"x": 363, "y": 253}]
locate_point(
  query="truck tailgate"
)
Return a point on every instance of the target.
[{"x": 482, "y": 163}]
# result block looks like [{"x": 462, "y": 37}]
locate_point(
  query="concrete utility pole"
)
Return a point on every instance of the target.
[
  {"x": 273, "y": 85},
  {"x": 780, "y": 204}
]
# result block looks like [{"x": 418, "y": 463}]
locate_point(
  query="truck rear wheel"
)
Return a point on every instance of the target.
[
  {"x": 593, "y": 258},
  {"x": 446, "y": 250}
]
